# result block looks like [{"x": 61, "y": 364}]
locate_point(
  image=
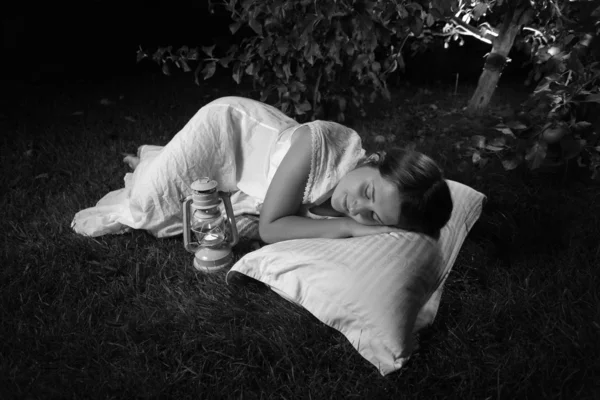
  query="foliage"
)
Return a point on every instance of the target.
[
  {"x": 554, "y": 125},
  {"x": 315, "y": 59},
  {"x": 327, "y": 59}
]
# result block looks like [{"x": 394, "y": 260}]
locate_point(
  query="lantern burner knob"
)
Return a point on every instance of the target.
[{"x": 204, "y": 185}]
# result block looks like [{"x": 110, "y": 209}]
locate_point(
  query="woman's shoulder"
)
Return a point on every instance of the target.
[
  {"x": 330, "y": 125},
  {"x": 331, "y": 132}
]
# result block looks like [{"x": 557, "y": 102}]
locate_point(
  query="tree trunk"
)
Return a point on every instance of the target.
[
  {"x": 486, "y": 86},
  {"x": 496, "y": 60}
]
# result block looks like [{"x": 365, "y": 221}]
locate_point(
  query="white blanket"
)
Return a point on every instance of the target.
[{"x": 236, "y": 141}]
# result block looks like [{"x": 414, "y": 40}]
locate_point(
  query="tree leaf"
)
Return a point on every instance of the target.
[
  {"x": 516, "y": 125},
  {"x": 334, "y": 50},
  {"x": 281, "y": 90},
  {"x": 536, "y": 154},
  {"x": 341, "y": 103},
  {"x": 197, "y": 75},
  {"x": 158, "y": 54},
  {"x": 349, "y": 48},
  {"x": 392, "y": 68},
  {"x": 237, "y": 72},
  {"x": 401, "y": 64},
  {"x": 510, "y": 164},
  {"x": 250, "y": 69},
  {"x": 310, "y": 52},
  {"x": 235, "y": 27},
  {"x": 141, "y": 55},
  {"x": 546, "y": 82},
  {"x": 287, "y": 71},
  {"x": 430, "y": 20},
  {"x": 435, "y": 13},
  {"x": 300, "y": 73},
  {"x": 296, "y": 86},
  {"x": 302, "y": 107},
  {"x": 183, "y": 51},
  {"x": 265, "y": 44},
  {"x": 209, "y": 70},
  {"x": 416, "y": 25},
  {"x": 478, "y": 141},
  {"x": 505, "y": 130},
  {"x": 499, "y": 141},
  {"x": 256, "y": 26},
  {"x": 581, "y": 125},
  {"x": 443, "y": 6},
  {"x": 165, "y": 69},
  {"x": 282, "y": 46},
  {"x": 184, "y": 65},
  {"x": 224, "y": 61},
  {"x": 208, "y": 50},
  {"x": 494, "y": 148},
  {"x": 278, "y": 71},
  {"x": 360, "y": 62},
  {"x": 264, "y": 95},
  {"x": 479, "y": 10},
  {"x": 193, "y": 54},
  {"x": 386, "y": 93},
  {"x": 372, "y": 96},
  {"x": 374, "y": 79},
  {"x": 295, "y": 97}
]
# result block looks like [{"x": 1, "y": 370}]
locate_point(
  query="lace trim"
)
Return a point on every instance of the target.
[{"x": 311, "y": 175}]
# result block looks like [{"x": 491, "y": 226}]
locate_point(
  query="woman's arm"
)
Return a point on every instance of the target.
[
  {"x": 284, "y": 197},
  {"x": 278, "y": 221}
]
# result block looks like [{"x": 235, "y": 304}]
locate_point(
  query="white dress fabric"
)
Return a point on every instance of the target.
[{"x": 236, "y": 141}]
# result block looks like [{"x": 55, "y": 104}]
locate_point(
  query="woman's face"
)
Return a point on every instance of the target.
[{"x": 365, "y": 196}]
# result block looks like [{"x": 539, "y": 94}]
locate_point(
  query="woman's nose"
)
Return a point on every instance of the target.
[{"x": 357, "y": 207}]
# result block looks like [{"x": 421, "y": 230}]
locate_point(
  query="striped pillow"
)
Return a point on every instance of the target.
[{"x": 376, "y": 290}]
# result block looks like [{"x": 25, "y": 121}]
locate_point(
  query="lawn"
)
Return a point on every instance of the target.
[{"x": 127, "y": 317}]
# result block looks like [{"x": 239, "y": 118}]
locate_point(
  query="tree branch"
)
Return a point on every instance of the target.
[
  {"x": 316, "y": 91},
  {"x": 471, "y": 31},
  {"x": 523, "y": 15}
]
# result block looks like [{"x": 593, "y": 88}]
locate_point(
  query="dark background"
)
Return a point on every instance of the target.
[{"x": 98, "y": 39}]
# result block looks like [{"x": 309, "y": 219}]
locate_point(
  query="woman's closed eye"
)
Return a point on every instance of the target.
[
  {"x": 376, "y": 218},
  {"x": 370, "y": 194}
]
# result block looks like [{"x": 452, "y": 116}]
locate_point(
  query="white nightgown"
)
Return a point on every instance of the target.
[{"x": 238, "y": 142}]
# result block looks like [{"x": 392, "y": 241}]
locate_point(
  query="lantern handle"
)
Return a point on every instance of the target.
[
  {"x": 226, "y": 196},
  {"x": 189, "y": 245}
]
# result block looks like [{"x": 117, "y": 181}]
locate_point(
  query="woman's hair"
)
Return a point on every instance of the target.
[{"x": 425, "y": 200}]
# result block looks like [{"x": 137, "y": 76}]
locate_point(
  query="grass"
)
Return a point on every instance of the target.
[{"x": 127, "y": 317}]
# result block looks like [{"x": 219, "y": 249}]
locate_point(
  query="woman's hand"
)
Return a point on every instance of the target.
[{"x": 356, "y": 229}]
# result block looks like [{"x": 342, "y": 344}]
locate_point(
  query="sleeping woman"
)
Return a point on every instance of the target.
[{"x": 309, "y": 180}]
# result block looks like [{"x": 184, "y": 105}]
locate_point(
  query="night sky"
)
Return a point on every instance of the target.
[{"x": 100, "y": 38}]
